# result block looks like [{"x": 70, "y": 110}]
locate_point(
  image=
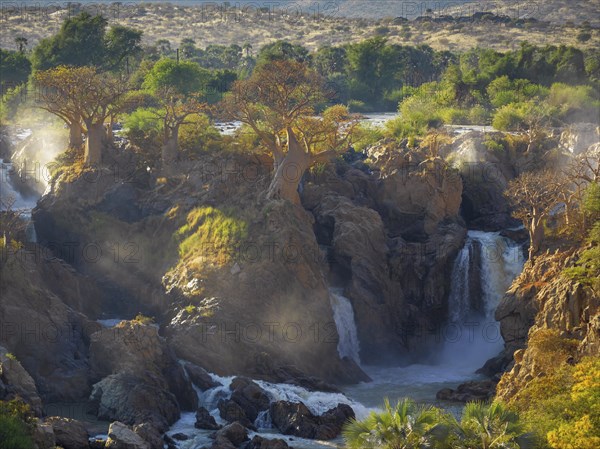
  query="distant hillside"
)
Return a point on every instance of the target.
[
  {"x": 556, "y": 11},
  {"x": 317, "y": 23}
]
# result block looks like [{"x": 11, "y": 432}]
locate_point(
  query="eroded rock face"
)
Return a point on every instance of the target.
[
  {"x": 17, "y": 383},
  {"x": 296, "y": 419},
  {"x": 579, "y": 137},
  {"x": 49, "y": 338},
  {"x": 148, "y": 384},
  {"x": 546, "y": 300},
  {"x": 485, "y": 176}
]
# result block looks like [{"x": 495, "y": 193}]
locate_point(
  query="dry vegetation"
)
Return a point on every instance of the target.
[{"x": 217, "y": 26}]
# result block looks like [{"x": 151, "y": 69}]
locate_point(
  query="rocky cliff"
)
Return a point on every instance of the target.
[{"x": 544, "y": 302}]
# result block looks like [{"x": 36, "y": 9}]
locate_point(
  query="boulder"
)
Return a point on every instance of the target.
[
  {"x": 296, "y": 419},
  {"x": 231, "y": 412},
  {"x": 121, "y": 436},
  {"x": 16, "y": 382},
  {"x": 249, "y": 396},
  {"x": 150, "y": 435},
  {"x": 262, "y": 443},
  {"x": 204, "y": 420},
  {"x": 47, "y": 336},
  {"x": 234, "y": 433},
  {"x": 43, "y": 435},
  {"x": 135, "y": 400},
  {"x": 469, "y": 391},
  {"x": 136, "y": 348},
  {"x": 200, "y": 377},
  {"x": 69, "y": 433}
]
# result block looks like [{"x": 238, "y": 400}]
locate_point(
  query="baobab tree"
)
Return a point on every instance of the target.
[
  {"x": 533, "y": 195},
  {"x": 82, "y": 94},
  {"x": 278, "y": 103},
  {"x": 177, "y": 88}
]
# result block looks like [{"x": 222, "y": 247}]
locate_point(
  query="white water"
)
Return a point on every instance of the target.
[
  {"x": 466, "y": 343},
  {"x": 343, "y": 315},
  {"x": 472, "y": 337},
  {"x": 317, "y": 402}
]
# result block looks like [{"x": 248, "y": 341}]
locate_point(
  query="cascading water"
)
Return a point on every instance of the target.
[
  {"x": 317, "y": 402},
  {"x": 472, "y": 335},
  {"x": 343, "y": 315},
  {"x": 12, "y": 195}
]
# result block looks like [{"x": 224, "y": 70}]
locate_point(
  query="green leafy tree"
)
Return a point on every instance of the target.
[
  {"x": 84, "y": 41},
  {"x": 282, "y": 50},
  {"x": 121, "y": 44},
  {"x": 79, "y": 42},
  {"x": 179, "y": 90},
  {"x": 15, "y": 69}
]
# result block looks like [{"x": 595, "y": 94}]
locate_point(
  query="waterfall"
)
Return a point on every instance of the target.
[
  {"x": 459, "y": 298},
  {"x": 343, "y": 315},
  {"x": 472, "y": 335},
  {"x": 501, "y": 262}
]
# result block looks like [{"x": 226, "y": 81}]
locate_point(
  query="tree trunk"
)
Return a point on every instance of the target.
[
  {"x": 110, "y": 137},
  {"x": 289, "y": 172},
  {"x": 536, "y": 236},
  {"x": 75, "y": 138},
  {"x": 169, "y": 149},
  {"x": 95, "y": 142}
]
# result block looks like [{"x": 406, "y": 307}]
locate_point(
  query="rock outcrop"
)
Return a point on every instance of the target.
[
  {"x": 48, "y": 337},
  {"x": 121, "y": 436},
  {"x": 69, "y": 433},
  {"x": 542, "y": 300},
  {"x": 15, "y": 382},
  {"x": 142, "y": 381},
  {"x": 296, "y": 419}
]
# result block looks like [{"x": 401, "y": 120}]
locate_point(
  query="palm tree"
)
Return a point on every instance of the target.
[
  {"x": 405, "y": 426},
  {"x": 491, "y": 426},
  {"x": 21, "y": 43},
  {"x": 248, "y": 49}
]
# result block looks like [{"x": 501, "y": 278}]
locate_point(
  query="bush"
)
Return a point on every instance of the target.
[
  {"x": 584, "y": 36},
  {"x": 509, "y": 118},
  {"x": 478, "y": 115},
  {"x": 563, "y": 407},
  {"x": 358, "y": 106},
  {"x": 366, "y": 135},
  {"x": 16, "y": 425},
  {"x": 454, "y": 116},
  {"x": 144, "y": 129},
  {"x": 198, "y": 135}
]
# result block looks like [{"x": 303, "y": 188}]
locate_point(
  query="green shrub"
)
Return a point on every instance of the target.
[
  {"x": 143, "y": 319},
  {"x": 478, "y": 115},
  {"x": 211, "y": 235},
  {"x": 198, "y": 135},
  {"x": 366, "y": 135},
  {"x": 454, "y": 116},
  {"x": 584, "y": 36},
  {"x": 358, "y": 106},
  {"x": 16, "y": 425},
  {"x": 143, "y": 128}
]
